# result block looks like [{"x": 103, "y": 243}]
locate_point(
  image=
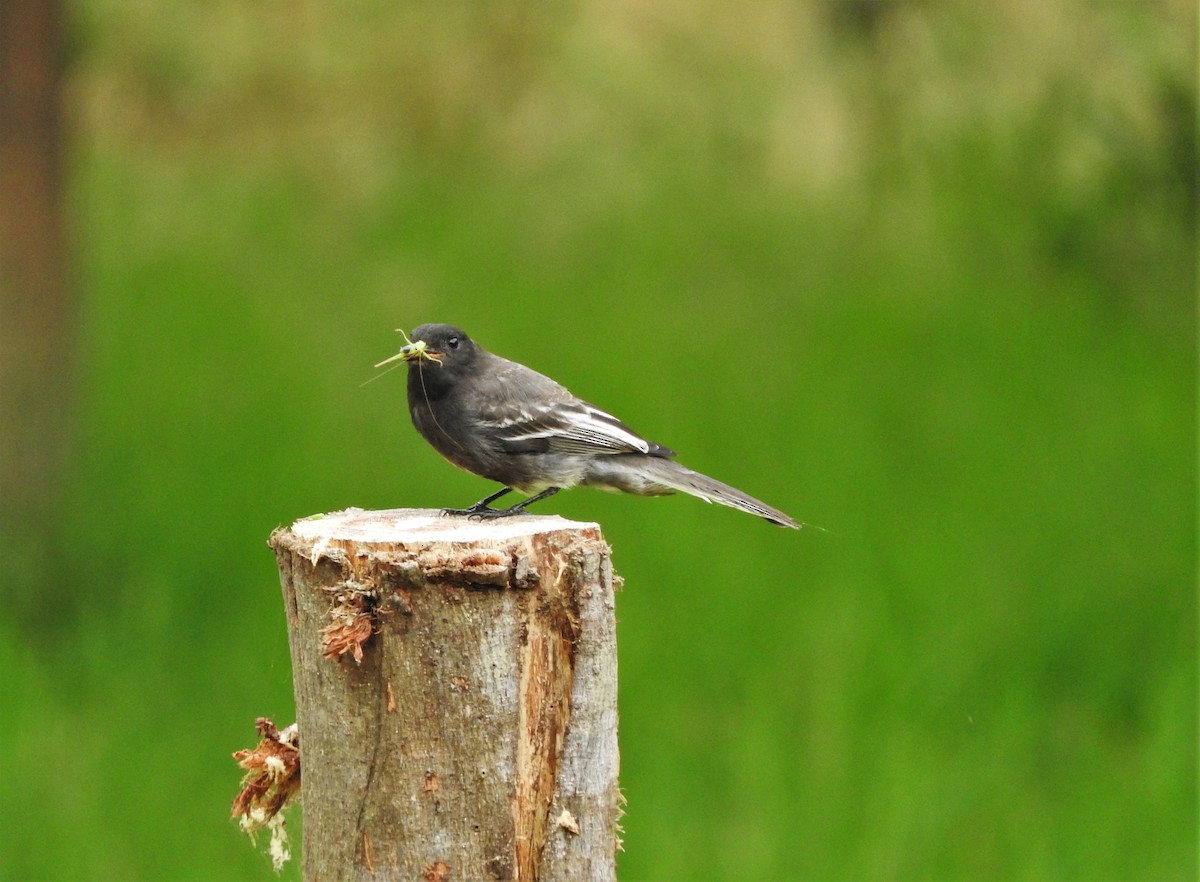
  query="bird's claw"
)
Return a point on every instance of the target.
[{"x": 483, "y": 514}]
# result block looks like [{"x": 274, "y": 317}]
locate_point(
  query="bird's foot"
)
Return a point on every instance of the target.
[
  {"x": 483, "y": 512},
  {"x": 482, "y": 508},
  {"x": 464, "y": 512}
]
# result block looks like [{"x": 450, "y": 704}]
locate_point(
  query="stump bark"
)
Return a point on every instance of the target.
[{"x": 456, "y": 694}]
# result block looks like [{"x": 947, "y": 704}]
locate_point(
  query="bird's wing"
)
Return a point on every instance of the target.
[
  {"x": 529, "y": 413},
  {"x": 540, "y": 416},
  {"x": 571, "y": 427}
]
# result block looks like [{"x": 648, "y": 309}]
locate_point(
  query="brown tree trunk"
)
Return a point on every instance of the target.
[
  {"x": 36, "y": 318},
  {"x": 456, "y": 696}
]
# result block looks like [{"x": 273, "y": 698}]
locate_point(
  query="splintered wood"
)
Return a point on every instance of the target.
[{"x": 456, "y": 691}]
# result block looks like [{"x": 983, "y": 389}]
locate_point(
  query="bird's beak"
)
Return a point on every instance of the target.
[{"x": 415, "y": 351}]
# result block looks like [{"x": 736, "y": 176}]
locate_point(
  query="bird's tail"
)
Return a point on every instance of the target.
[{"x": 671, "y": 474}]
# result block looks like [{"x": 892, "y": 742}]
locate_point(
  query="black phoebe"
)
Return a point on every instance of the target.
[{"x": 507, "y": 423}]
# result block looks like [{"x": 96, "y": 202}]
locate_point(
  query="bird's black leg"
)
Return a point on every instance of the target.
[
  {"x": 481, "y": 511},
  {"x": 519, "y": 508},
  {"x": 481, "y": 507}
]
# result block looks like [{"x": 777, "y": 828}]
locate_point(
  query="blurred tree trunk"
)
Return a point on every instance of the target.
[{"x": 36, "y": 312}]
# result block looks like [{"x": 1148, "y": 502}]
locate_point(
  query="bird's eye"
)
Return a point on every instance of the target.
[{"x": 452, "y": 342}]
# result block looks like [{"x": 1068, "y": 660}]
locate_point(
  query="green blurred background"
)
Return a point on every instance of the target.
[{"x": 920, "y": 273}]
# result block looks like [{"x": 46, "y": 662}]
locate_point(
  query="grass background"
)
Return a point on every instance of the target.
[{"x": 922, "y": 274}]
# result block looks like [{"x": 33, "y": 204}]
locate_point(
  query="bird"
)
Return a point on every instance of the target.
[{"x": 507, "y": 423}]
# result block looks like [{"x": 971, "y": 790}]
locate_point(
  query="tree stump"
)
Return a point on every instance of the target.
[{"x": 456, "y": 694}]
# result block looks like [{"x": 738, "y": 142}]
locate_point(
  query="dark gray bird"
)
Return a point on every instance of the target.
[{"x": 509, "y": 424}]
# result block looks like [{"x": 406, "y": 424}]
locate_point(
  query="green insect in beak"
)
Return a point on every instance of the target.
[{"x": 411, "y": 351}]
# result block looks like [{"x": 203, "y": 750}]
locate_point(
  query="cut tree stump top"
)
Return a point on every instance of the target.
[{"x": 426, "y": 525}]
